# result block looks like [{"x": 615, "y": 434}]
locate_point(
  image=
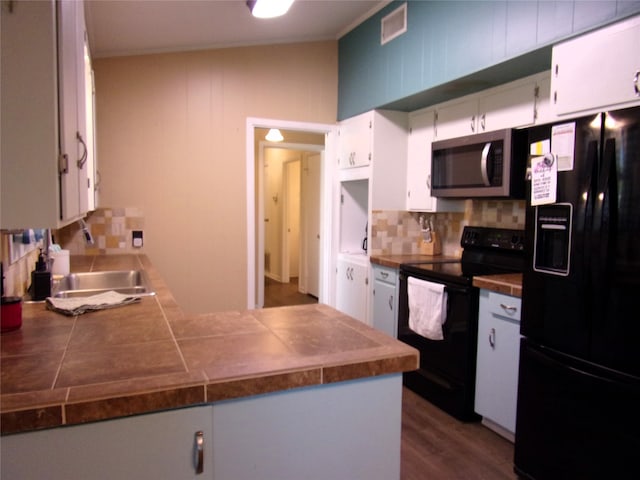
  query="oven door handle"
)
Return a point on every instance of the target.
[{"x": 463, "y": 291}]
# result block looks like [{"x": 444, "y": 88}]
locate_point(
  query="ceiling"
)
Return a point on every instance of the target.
[{"x": 131, "y": 27}]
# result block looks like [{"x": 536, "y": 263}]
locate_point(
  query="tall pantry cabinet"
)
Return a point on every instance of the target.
[
  {"x": 372, "y": 150},
  {"x": 47, "y": 114}
]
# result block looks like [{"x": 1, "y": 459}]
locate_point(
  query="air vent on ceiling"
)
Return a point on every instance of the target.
[{"x": 394, "y": 24}]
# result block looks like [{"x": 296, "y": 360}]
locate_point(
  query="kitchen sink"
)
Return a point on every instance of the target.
[{"x": 91, "y": 283}]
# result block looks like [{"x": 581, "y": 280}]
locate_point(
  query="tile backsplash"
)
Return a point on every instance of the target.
[
  {"x": 111, "y": 229},
  {"x": 398, "y": 232}
]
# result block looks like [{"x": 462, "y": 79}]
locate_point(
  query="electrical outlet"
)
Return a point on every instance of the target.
[{"x": 136, "y": 238}]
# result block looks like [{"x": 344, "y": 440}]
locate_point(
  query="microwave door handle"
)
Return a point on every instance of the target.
[{"x": 484, "y": 164}]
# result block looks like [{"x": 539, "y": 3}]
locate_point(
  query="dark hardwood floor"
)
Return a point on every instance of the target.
[
  {"x": 437, "y": 446},
  {"x": 278, "y": 294}
]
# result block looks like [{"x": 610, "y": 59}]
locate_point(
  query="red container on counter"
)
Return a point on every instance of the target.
[{"x": 11, "y": 315}]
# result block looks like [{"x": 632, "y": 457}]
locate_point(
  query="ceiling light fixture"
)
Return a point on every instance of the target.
[
  {"x": 268, "y": 8},
  {"x": 274, "y": 135}
]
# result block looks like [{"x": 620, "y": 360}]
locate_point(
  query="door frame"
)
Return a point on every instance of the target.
[
  {"x": 255, "y": 208},
  {"x": 286, "y": 199}
]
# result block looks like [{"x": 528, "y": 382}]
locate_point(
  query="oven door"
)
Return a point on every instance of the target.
[{"x": 446, "y": 375}]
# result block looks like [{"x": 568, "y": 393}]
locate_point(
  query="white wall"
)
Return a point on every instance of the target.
[{"x": 171, "y": 141}]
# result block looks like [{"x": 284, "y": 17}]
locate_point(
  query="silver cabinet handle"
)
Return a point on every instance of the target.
[
  {"x": 484, "y": 164},
  {"x": 384, "y": 274},
  {"x": 199, "y": 452},
  {"x": 636, "y": 86},
  {"x": 429, "y": 182},
  {"x": 390, "y": 302},
  {"x": 492, "y": 338},
  {"x": 83, "y": 159},
  {"x": 473, "y": 123},
  {"x": 508, "y": 308},
  {"x": 482, "y": 121}
]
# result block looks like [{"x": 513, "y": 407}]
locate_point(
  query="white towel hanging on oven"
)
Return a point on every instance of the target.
[{"x": 427, "y": 308}]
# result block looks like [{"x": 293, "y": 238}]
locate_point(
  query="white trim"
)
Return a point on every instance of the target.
[{"x": 327, "y": 255}]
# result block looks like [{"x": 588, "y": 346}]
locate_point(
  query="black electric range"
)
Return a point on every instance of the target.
[{"x": 446, "y": 375}]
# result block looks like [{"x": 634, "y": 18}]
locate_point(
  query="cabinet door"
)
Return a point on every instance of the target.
[
  {"x": 421, "y": 135},
  {"x": 508, "y": 107},
  {"x": 419, "y": 161},
  {"x": 351, "y": 289},
  {"x": 456, "y": 119},
  {"x": 598, "y": 70},
  {"x": 383, "y": 316},
  {"x": 498, "y": 357},
  {"x": 544, "y": 113},
  {"x": 29, "y": 133},
  {"x": 72, "y": 105},
  {"x": 354, "y": 142},
  {"x": 159, "y": 445}
]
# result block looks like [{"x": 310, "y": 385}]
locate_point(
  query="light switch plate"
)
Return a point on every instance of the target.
[{"x": 136, "y": 238}]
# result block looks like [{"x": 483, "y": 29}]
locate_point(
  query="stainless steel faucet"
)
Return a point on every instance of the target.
[{"x": 85, "y": 231}]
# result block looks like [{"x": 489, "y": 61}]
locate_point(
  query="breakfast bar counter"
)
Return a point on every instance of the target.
[{"x": 150, "y": 356}]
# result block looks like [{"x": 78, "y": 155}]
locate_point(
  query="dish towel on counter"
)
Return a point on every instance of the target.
[
  {"x": 80, "y": 305},
  {"x": 427, "y": 308}
]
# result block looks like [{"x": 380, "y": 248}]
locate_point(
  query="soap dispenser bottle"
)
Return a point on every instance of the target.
[{"x": 41, "y": 279}]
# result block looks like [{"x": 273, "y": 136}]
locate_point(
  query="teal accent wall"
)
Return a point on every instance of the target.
[{"x": 453, "y": 48}]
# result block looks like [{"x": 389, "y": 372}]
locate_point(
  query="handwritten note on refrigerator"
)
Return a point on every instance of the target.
[
  {"x": 563, "y": 140},
  {"x": 544, "y": 179}
]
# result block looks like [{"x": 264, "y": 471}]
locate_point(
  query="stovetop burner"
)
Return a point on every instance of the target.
[{"x": 486, "y": 251}]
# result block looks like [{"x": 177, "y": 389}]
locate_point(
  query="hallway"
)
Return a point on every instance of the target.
[{"x": 278, "y": 294}]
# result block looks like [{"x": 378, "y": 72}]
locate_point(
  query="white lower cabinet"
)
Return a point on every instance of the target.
[
  {"x": 384, "y": 300},
  {"x": 345, "y": 430},
  {"x": 352, "y": 286},
  {"x": 159, "y": 445},
  {"x": 497, "y": 361}
]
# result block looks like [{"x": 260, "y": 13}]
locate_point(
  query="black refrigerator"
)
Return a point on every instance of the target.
[{"x": 578, "y": 412}]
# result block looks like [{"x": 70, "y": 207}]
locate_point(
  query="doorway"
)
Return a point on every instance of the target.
[
  {"x": 316, "y": 179},
  {"x": 291, "y": 199},
  {"x": 291, "y": 202}
]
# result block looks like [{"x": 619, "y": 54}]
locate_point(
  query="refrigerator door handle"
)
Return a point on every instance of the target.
[
  {"x": 605, "y": 212},
  {"x": 584, "y": 214}
]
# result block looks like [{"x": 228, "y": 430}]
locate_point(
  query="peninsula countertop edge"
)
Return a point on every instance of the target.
[{"x": 150, "y": 356}]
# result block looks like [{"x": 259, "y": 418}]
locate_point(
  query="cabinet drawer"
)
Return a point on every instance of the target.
[
  {"x": 387, "y": 275},
  {"x": 504, "y": 306}
]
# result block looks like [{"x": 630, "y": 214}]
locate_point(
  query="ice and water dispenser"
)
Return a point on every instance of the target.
[{"x": 552, "y": 243}]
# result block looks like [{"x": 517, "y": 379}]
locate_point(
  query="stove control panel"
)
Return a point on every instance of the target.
[{"x": 498, "y": 238}]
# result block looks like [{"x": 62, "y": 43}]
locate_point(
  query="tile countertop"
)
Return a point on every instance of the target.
[
  {"x": 394, "y": 261},
  {"x": 507, "y": 283},
  {"x": 150, "y": 356}
]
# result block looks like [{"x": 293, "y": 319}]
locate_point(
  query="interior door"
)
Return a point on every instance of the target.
[
  {"x": 311, "y": 188},
  {"x": 291, "y": 235}
]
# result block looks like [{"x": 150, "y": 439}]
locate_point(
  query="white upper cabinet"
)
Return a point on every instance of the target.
[
  {"x": 597, "y": 71},
  {"x": 73, "y": 119},
  {"x": 354, "y": 141},
  {"x": 389, "y": 160},
  {"x": 513, "y": 105},
  {"x": 45, "y": 179},
  {"x": 456, "y": 118},
  {"x": 421, "y": 134}
]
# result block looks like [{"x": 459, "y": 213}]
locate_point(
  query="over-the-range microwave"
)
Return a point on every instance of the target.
[{"x": 490, "y": 164}]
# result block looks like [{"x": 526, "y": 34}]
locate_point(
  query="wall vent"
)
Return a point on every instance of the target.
[{"x": 394, "y": 24}]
